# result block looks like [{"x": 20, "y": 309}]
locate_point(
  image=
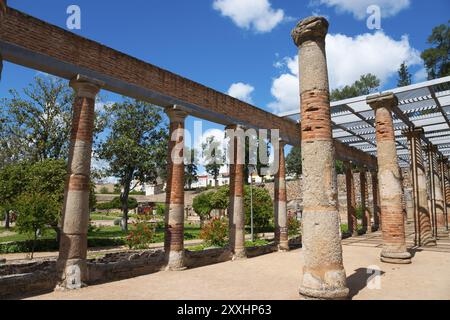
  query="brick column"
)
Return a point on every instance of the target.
[
  {"x": 392, "y": 219},
  {"x": 174, "y": 217},
  {"x": 422, "y": 215},
  {"x": 352, "y": 220},
  {"x": 438, "y": 200},
  {"x": 447, "y": 192},
  {"x": 323, "y": 272},
  {"x": 3, "y": 9},
  {"x": 367, "y": 219},
  {"x": 376, "y": 200},
  {"x": 236, "y": 213},
  {"x": 281, "y": 223},
  {"x": 75, "y": 220}
]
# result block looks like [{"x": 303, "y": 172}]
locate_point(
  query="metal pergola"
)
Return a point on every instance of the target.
[{"x": 425, "y": 105}]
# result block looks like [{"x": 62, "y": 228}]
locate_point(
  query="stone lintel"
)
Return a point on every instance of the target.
[
  {"x": 386, "y": 100},
  {"x": 310, "y": 29}
]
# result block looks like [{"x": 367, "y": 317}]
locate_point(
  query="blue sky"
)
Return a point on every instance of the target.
[{"x": 224, "y": 42}]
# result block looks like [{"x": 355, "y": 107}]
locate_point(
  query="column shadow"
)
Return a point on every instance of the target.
[{"x": 358, "y": 280}]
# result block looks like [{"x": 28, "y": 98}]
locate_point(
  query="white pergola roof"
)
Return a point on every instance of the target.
[{"x": 424, "y": 105}]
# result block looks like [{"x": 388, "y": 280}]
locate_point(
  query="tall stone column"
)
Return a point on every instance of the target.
[
  {"x": 441, "y": 229},
  {"x": 3, "y": 9},
  {"x": 323, "y": 272},
  {"x": 75, "y": 220},
  {"x": 422, "y": 215},
  {"x": 174, "y": 216},
  {"x": 367, "y": 219},
  {"x": 442, "y": 166},
  {"x": 392, "y": 219},
  {"x": 447, "y": 192},
  {"x": 376, "y": 200},
  {"x": 352, "y": 219},
  {"x": 236, "y": 215},
  {"x": 281, "y": 219}
]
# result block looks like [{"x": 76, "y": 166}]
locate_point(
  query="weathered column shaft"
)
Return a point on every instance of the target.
[
  {"x": 174, "y": 216},
  {"x": 236, "y": 214},
  {"x": 441, "y": 226},
  {"x": 75, "y": 219},
  {"x": 442, "y": 166},
  {"x": 422, "y": 215},
  {"x": 367, "y": 219},
  {"x": 392, "y": 220},
  {"x": 352, "y": 220},
  {"x": 281, "y": 219},
  {"x": 323, "y": 272},
  {"x": 376, "y": 200}
]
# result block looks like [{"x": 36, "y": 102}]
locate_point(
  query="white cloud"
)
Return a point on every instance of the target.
[
  {"x": 257, "y": 15},
  {"x": 421, "y": 75},
  {"x": 358, "y": 8},
  {"x": 241, "y": 91},
  {"x": 348, "y": 59}
]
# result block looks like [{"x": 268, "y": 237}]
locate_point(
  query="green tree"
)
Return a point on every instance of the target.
[
  {"x": 202, "y": 206},
  {"x": 294, "y": 162},
  {"x": 404, "y": 77},
  {"x": 214, "y": 158},
  {"x": 190, "y": 169},
  {"x": 262, "y": 207},
  {"x": 136, "y": 147},
  {"x": 436, "y": 58},
  {"x": 367, "y": 84}
]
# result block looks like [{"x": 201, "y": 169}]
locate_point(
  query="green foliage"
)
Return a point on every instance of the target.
[
  {"x": 365, "y": 85},
  {"x": 340, "y": 167},
  {"x": 215, "y": 232},
  {"x": 220, "y": 199},
  {"x": 117, "y": 204},
  {"x": 214, "y": 157},
  {"x": 436, "y": 58},
  {"x": 190, "y": 169},
  {"x": 294, "y": 162},
  {"x": 359, "y": 212},
  {"x": 136, "y": 147},
  {"x": 262, "y": 207},
  {"x": 202, "y": 205},
  {"x": 404, "y": 77}
]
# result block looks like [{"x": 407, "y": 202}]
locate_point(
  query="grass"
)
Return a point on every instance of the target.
[{"x": 103, "y": 217}]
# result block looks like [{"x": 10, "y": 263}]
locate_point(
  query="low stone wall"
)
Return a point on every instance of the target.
[{"x": 20, "y": 280}]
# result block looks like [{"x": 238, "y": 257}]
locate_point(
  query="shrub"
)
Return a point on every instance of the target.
[
  {"x": 116, "y": 204},
  {"x": 141, "y": 235},
  {"x": 293, "y": 226},
  {"x": 359, "y": 212},
  {"x": 117, "y": 222},
  {"x": 215, "y": 232},
  {"x": 262, "y": 207},
  {"x": 161, "y": 210},
  {"x": 202, "y": 205}
]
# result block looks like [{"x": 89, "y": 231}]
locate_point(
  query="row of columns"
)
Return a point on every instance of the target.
[{"x": 73, "y": 248}]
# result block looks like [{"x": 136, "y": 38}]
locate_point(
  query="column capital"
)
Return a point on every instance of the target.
[
  {"x": 176, "y": 114},
  {"x": 431, "y": 148},
  {"x": 415, "y": 132},
  {"x": 386, "y": 100},
  {"x": 310, "y": 29},
  {"x": 85, "y": 87}
]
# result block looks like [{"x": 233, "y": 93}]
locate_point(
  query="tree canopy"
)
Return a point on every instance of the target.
[
  {"x": 436, "y": 58},
  {"x": 404, "y": 76},
  {"x": 367, "y": 84}
]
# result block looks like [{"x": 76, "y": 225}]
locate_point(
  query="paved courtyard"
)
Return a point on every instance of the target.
[{"x": 277, "y": 276}]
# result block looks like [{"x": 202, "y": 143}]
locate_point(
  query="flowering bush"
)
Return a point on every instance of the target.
[
  {"x": 215, "y": 232},
  {"x": 141, "y": 235},
  {"x": 293, "y": 226}
]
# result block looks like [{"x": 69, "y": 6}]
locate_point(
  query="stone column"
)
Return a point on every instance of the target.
[
  {"x": 3, "y": 9},
  {"x": 392, "y": 219},
  {"x": 352, "y": 220},
  {"x": 236, "y": 213},
  {"x": 367, "y": 219},
  {"x": 422, "y": 215},
  {"x": 174, "y": 216},
  {"x": 441, "y": 228},
  {"x": 376, "y": 200},
  {"x": 281, "y": 219},
  {"x": 431, "y": 189},
  {"x": 442, "y": 166},
  {"x": 75, "y": 220},
  {"x": 447, "y": 192},
  {"x": 323, "y": 272}
]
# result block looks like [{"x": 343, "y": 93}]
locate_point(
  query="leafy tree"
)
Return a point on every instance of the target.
[
  {"x": 367, "y": 84},
  {"x": 202, "y": 206},
  {"x": 136, "y": 147},
  {"x": 190, "y": 169},
  {"x": 36, "y": 212},
  {"x": 436, "y": 58},
  {"x": 214, "y": 158},
  {"x": 294, "y": 162},
  {"x": 404, "y": 77},
  {"x": 262, "y": 207},
  {"x": 248, "y": 156}
]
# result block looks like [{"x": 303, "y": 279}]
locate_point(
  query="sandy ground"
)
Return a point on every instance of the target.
[{"x": 277, "y": 276}]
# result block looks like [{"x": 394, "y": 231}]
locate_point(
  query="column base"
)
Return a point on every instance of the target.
[
  {"x": 396, "y": 257},
  {"x": 175, "y": 261},
  {"x": 429, "y": 243},
  {"x": 283, "y": 246},
  {"x": 442, "y": 233},
  {"x": 314, "y": 288},
  {"x": 239, "y": 254},
  {"x": 73, "y": 274}
]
